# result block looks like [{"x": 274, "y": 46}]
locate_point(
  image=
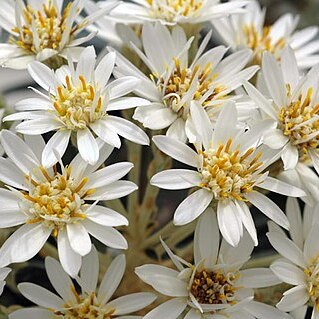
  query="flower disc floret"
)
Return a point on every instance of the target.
[
  {"x": 300, "y": 122},
  {"x": 42, "y": 29},
  {"x": 169, "y": 10},
  {"x": 87, "y": 307},
  {"x": 56, "y": 201},
  {"x": 78, "y": 105},
  {"x": 312, "y": 274},
  {"x": 181, "y": 81},
  {"x": 214, "y": 287},
  {"x": 227, "y": 173}
]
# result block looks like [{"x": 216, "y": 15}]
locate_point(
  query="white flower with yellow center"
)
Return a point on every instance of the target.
[
  {"x": 79, "y": 101},
  {"x": 42, "y": 30},
  {"x": 300, "y": 265},
  {"x": 4, "y": 272},
  {"x": 172, "y": 12},
  {"x": 230, "y": 167},
  {"x": 175, "y": 82},
  {"x": 49, "y": 201},
  {"x": 91, "y": 302},
  {"x": 214, "y": 287},
  {"x": 249, "y": 31},
  {"x": 294, "y": 108}
]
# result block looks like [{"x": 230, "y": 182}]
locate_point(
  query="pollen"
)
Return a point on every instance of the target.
[
  {"x": 42, "y": 29},
  {"x": 214, "y": 287},
  {"x": 86, "y": 307},
  {"x": 300, "y": 122},
  {"x": 55, "y": 201},
  {"x": 228, "y": 174},
  {"x": 261, "y": 42},
  {"x": 186, "y": 84},
  {"x": 169, "y": 10},
  {"x": 312, "y": 274},
  {"x": 78, "y": 104}
]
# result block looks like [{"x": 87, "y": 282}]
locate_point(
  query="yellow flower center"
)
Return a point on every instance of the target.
[
  {"x": 181, "y": 81},
  {"x": 260, "y": 43},
  {"x": 78, "y": 105},
  {"x": 42, "y": 29},
  {"x": 300, "y": 122},
  {"x": 169, "y": 10},
  {"x": 87, "y": 307},
  {"x": 312, "y": 273},
  {"x": 228, "y": 174},
  {"x": 56, "y": 201},
  {"x": 214, "y": 287}
]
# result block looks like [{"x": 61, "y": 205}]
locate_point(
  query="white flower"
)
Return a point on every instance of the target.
[
  {"x": 4, "y": 272},
  {"x": 293, "y": 107},
  {"x": 79, "y": 101},
  {"x": 172, "y": 12},
  {"x": 300, "y": 265},
  {"x": 230, "y": 165},
  {"x": 91, "y": 302},
  {"x": 215, "y": 286},
  {"x": 45, "y": 201},
  {"x": 249, "y": 31},
  {"x": 41, "y": 30},
  {"x": 175, "y": 82}
]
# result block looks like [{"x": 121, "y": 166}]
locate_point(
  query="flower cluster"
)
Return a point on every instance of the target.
[{"x": 242, "y": 121}]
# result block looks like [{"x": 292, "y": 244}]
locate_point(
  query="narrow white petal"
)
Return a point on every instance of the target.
[
  {"x": 258, "y": 278},
  {"x": 170, "y": 309},
  {"x": 87, "y": 145},
  {"x": 90, "y": 271},
  {"x": 79, "y": 238},
  {"x": 106, "y": 216},
  {"x": 294, "y": 300},
  {"x": 288, "y": 272}
]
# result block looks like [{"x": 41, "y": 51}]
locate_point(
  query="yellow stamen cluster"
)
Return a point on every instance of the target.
[
  {"x": 42, "y": 29},
  {"x": 169, "y": 10},
  {"x": 87, "y": 307},
  {"x": 214, "y": 287},
  {"x": 300, "y": 122},
  {"x": 312, "y": 274},
  {"x": 260, "y": 42},
  {"x": 56, "y": 201},
  {"x": 179, "y": 83},
  {"x": 227, "y": 173},
  {"x": 78, "y": 105}
]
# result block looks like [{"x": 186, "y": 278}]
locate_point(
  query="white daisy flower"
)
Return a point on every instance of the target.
[
  {"x": 230, "y": 165},
  {"x": 175, "y": 82},
  {"x": 249, "y": 31},
  {"x": 91, "y": 302},
  {"x": 214, "y": 287},
  {"x": 42, "y": 29},
  {"x": 4, "y": 272},
  {"x": 79, "y": 101},
  {"x": 172, "y": 12},
  {"x": 293, "y": 107},
  {"x": 46, "y": 201},
  {"x": 299, "y": 266}
]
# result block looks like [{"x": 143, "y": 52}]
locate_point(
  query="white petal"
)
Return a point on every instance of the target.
[
  {"x": 192, "y": 206},
  {"x": 311, "y": 246},
  {"x": 269, "y": 208},
  {"x": 105, "y": 133},
  {"x": 123, "y": 86},
  {"x": 79, "y": 238},
  {"x": 70, "y": 260},
  {"x": 169, "y": 310},
  {"x": 105, "y": 68},
  {"x": 106, "y": 216},
  {"x": 56, "y": 145},
  {"x": 87, "y": 146},
  {"x": 40, "y": 296},
  {"x": 176, "y": 149},
  {"x": 38, "y": 126},
  {"x": 287, "y": 248},
  {"x": 176, "y": 179},
  {"x": 34, "y": 313},
  {"x": 90, "y": 271},
  {"x": 257, "y": 278},
  {"x": 290, "y": 156},
  {"x": 263, "y": 311},
  {"x": 288, "y": 272},
  {"x": 111, "y": 279},
  {"x": 126, "y": 103},
  {"x": 294, "y": 299},
  {"x": 86, "y": 63}
]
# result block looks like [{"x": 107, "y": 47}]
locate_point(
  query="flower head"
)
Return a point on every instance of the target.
[
  {"x": 215, "y": 285},
  {"x": 174, "y": 81},
  {"x": 89, "y": 303},
  {"x": 251, "y": 32},
  {"x": 230, "y": 164},
  {"x": 293, "y": 107},
  {"x": 49, "y": 201},
  {"x": 79, "y": 101},
  {"x": 172, "y": 12},
  {"x": 299, "y": 265}
]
